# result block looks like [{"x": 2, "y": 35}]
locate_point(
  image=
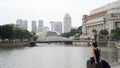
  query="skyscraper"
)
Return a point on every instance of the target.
[
  {"x": 67, "y": 23},
  {"x": 25, "y": 24},
  {"x": 34, "y": 26},
  {"x": 46, "y": 29},
  {"x": 22, "y": 24},
  {"x": 40, "y": 26},
  {"x": 19, "y": 23},
  {"x": 56, "y": 26}
]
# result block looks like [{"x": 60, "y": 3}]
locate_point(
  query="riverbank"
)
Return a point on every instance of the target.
[
  {"x": 14, "y": 45},
  {"x": 115, "y": 65}
]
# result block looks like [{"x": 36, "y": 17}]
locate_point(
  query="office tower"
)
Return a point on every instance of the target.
[
  {"x": 46, "y": 29},
  {"x": 40, "y": 26},
  {"x": 67, "y": 23},
  {"x": 22, "y": 24},
  {"x": 34, "y": 26},
  {"x": 25, "y": 24},
  {"x": 19, "y": 23},
  {"x": 56, "y": 26}
]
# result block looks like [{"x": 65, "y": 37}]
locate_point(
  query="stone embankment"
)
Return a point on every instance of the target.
[
  {"x": 80, "y": 43},
  {"x": 14, "y": 45},
  {"x": 87, "y": 43}
]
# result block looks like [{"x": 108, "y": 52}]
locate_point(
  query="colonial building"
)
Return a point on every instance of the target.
[{"x": 105, "y": 17}]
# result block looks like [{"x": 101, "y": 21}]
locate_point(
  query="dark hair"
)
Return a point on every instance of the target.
[{"x": 94, "y": 44}]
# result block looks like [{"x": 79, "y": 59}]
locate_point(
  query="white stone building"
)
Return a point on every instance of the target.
[{"x": 105, "y": 17}]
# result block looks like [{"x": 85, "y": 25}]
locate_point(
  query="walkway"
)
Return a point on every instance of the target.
[{"x": 116, "y": 66}]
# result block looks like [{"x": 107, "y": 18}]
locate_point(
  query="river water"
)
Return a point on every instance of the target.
[{"x": 52, "y": 56}]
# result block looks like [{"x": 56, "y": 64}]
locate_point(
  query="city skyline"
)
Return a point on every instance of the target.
[
  {"x": 47, "y": 10},
  {"x": 56, "y": 26}
]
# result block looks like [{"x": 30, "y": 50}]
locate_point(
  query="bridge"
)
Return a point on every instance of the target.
[
  {"x": 32, "y": 43},
  {"x": 54, "y": 39}
]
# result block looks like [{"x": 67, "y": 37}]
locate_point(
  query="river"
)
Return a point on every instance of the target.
[{"x": 52, "y": 56}]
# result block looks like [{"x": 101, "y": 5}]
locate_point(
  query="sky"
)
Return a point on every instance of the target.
[{"x": 47, "y": 10}]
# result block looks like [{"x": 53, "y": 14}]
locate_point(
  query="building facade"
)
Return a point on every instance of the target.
[
  {"x": 67, "y": 23},
  {"x": 25, "y": 24},
  {"x": 34, "y": 26},
  {"x": 105, "y": 17},
  {"x": 19, "y": 23},
  {"x": 46, "y": 29},
  {"x": 40, "y": 26},
  {"x": 22, "y": 24},
  {"x": 56, "y": 26}
]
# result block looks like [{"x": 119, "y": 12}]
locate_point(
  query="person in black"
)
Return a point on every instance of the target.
[{"x": 95, "y": 53}]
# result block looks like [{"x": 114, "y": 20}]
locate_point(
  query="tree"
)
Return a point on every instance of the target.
[
  {"x": 0, "y": 31},
  {"x": 22, "y": 34},
  {"x": 94, "y": 33},
  {"x": 7, "y": 32},
  {"x": 73, "y": 32},
  {"x": 104, "y": 32},
  {"x": 116, "y": 33},
  {"x": 67, "y": 34},
  {"x": 79, "y": 30}
]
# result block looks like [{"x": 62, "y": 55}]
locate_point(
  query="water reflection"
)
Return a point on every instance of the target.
[{"x": 52, "y": 56}]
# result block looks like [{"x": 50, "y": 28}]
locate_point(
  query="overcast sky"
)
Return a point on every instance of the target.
[{"x": 47, "y": 10}]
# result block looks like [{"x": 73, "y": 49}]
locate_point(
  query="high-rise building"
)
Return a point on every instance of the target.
[
  {"x": 25, "y": 24},
  {"x": 40, "y": 26},
  {"x": 67, "y": 23},
  {"x": 19, "y": 23},
  {"x": 56, "y": 26},
  {"x": 22, "y": 24},
  {"x": 46, "y": 29},
  {"x": 34, "y": 26}
]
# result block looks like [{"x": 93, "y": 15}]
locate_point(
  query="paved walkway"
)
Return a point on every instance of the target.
[{"x": 118, "y": 66}]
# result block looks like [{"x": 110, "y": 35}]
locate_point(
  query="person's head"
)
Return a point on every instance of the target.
[{"x": 94, "y": 45}]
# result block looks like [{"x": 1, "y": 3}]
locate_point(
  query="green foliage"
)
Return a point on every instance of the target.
[
  {"x": 10, "y": 32},
  {"x": 0, "y": 31},
  {"x": 7, "y": 32},
  {"x": 77, "y": 37},
  {"x": 95, "y": 31},
  {"x": 116, "y": 33},
  {"x": 79, "y": 30},
  {"x": 73, "y": 32},
  {"x": 66, "y": 34},
  {"x": 113, "y": 31},
  {"x": 104, "y": 32}
]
